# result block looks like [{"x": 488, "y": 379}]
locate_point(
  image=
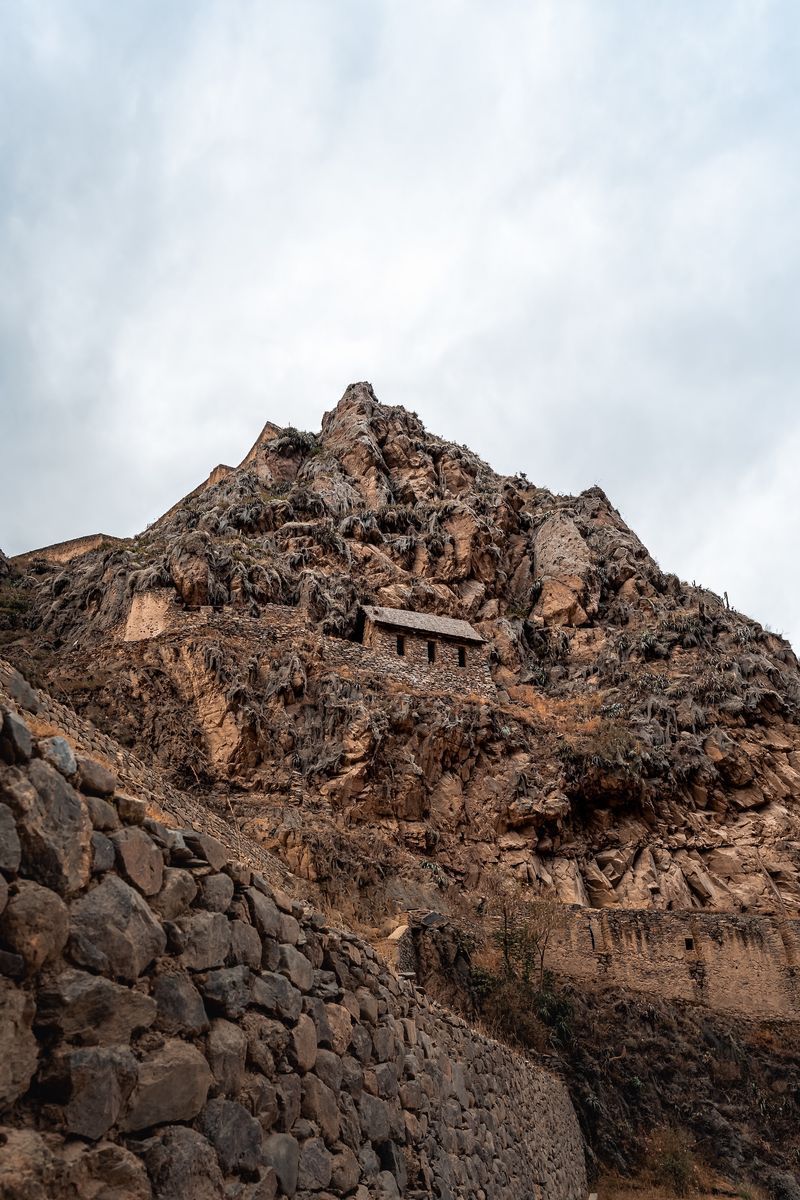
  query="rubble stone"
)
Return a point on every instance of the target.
[
  {"x": 234, "y": 1134},
  {"x": 100, "y": 1080},
  {"x": 113, "y": 931},
  {"x": 53, "y": 828},
  {"x": 19, "y": 1051},
  {"x": 140, "y": 860},
  {"x": 180, "y": 1006},
  {"x": 95, "y": 778},
  {"x": 172, "y": 1086},
  {"x": 91, "y": 1009},
  {"x": 227, "y": 1048},
  {"x": 183, "y": 1166},
  {"x": 58, "y": 753},
  {"x": 35, "y": 923}
]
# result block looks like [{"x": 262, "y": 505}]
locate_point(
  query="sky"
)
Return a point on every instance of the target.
[{"x": 564, "y": 232}]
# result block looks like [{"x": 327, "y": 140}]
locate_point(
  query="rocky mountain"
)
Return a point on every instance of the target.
[
  {"x": 266, "y": 768},
  {"x": 637, "y": 744}
]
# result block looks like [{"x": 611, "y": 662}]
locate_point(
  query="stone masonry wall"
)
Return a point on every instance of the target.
[
  {"x": 173, "y": 1028},
  {"x": 155, "y": 614},
  {"x": 164, "y": 802},
  {"x": 748, "y": 965},
  {"x": 413, "y": 668},
  {"x": 61, "y": 552}
]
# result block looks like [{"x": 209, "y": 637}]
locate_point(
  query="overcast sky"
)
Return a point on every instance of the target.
[{"x": 565, "y": 233}]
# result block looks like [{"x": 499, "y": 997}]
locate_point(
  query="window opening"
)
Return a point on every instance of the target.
[
  {"x": 401, "y": 645},
  {"x": 689, "y": 943},
  {"x": 431, "y": 651},
  {"x": 462, "y": 656}
]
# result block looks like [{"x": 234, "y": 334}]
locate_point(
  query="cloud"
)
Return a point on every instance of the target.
[{"x": 562, "y": 232}]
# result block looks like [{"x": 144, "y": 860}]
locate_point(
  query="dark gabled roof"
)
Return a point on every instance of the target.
[{"x": 403, "y": 618}]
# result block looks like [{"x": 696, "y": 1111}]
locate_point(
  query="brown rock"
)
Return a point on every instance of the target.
[
  {"x": 180, "y": 1006},
  {"x": 205, "y": 939},
  {"x": 228, "y": 991},
  {"x": 113, "y": 931},
  {"x": 90, "y": 1009},
  {"x": 296, "y": 967},
  {"x": 282, "y": 1153},
  {"x": 140, "y": 859},
  {"x": 319, "y": 1105},
  {"x": 207, "y": 848},
  {"x": 234, "y": 1134},
  {"x": 303, "y": 1043},
  {"x": 177, "y": 893},
  {"x": 341, "y": 1026},
  {"x": 245, "y": 944},
  {"x": 95, "y": 778},
  {"x": 35, "y": 924},
  {"x": 102, "y": 814},
  {"x": 172, "y": 1086},
  {"x": 10, "y": 851},
  {"x": 183, "y": 1166},
  {"x": 314, "y": 1170},
  {"x": 227, "y": 1047},
  {"x": 53, "y": 828},
  {"x": 100, "y": 1079},
  {"x": 19, "y": 1051}
]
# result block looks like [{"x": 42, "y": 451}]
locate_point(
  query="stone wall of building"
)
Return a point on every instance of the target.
[
  {"x": 413, "y": 667},
  {"x": 748, "y": 965},
  {"x": 173, "y": 1028}
]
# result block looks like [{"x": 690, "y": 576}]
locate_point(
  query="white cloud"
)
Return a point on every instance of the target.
[{"x": 563, "y": 232}]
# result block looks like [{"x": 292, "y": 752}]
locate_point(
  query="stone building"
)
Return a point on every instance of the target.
[
  {"x": 423, "y": 639},
  {"x": 425, "y": 651}
]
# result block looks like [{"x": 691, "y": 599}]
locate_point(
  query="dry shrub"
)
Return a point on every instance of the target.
[{"x": 672, "y": 1161}]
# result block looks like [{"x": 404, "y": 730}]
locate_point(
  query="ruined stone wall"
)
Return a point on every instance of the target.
[
  {"x": 152, "y": 614},
  {"x": 749, "y": 965},
  {"x": 61, "y": 552},
  {"x": 172, "y": 1028},
  {"x": 156, "y": 614},
  {"x": 214, "y": 476}
]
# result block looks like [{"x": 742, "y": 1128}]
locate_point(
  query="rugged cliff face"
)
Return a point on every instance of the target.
[{"x": 641, "y": 748}]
